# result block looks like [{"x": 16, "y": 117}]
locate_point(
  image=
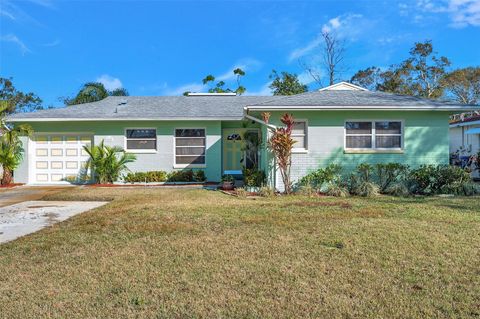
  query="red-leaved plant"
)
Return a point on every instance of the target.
[{"x": 281, "y": 145}]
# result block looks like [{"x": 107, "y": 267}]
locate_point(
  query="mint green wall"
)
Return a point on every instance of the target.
[
  {"x": 426, "y": 139},
  {"x": 113, "y": 134}
]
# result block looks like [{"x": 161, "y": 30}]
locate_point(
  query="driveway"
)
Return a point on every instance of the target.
[{"x": 10, "y": 196}]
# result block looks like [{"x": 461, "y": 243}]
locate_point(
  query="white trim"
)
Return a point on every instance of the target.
[
  {"x": 140, "y": 151},
  {"x": 99, "y": 119},
  {"x": 357, "y": 108},
  {"x": 270, "y": 126},
  {"x": 305, "y": 135},
  {"x": 175, "y": 165},
  {"x": 373, "y": 135},
  {"x": 343, "y": 83}
]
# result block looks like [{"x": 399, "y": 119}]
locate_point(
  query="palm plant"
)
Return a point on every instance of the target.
[
  {"x": 11, "y": 150},
  {"x": 107, "y": 162}
]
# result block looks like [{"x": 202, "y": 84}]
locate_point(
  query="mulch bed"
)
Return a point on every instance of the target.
[{"x": 11, "y": 185}]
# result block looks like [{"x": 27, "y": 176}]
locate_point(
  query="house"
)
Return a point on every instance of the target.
[
  {"x": 343, "y": 123},
  {"x": 465, "y": 136}
]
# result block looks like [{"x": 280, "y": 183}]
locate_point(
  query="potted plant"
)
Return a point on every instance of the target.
[{"x": 228, "y": 182}]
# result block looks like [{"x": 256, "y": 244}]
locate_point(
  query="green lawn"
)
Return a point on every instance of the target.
[{"x": 156, "y": 253}]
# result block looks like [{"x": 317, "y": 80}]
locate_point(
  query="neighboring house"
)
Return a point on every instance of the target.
[
  {"x": 465, "y": 137},
  {"x": 342, "y": 123}
]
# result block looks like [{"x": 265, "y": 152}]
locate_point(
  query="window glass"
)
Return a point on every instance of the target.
[
  {"x": 388, "y": 142},
  {"x": 141, "y": 139},
  {"x": 359, "y": 127},
  {"x": 388, "y": 127},
  {"x": 299, "y": 134},
  {"x": 359, "y": 142},
  {"x": 190, "y": 146},
  {"x": 373, "y": 135}
]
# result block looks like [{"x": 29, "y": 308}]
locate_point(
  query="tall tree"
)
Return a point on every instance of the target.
[
  {"x": 331, "y": 57},
  {"x": 13, "y": 100},
  {"x": 219, "y": 87},
  {"x": 419, "y": 75},
  {"x": 463, "y": 85},
  {"x": 11, "y": 147},
  {"x": 286, "y": 84},
  {"x": 93, "y": 92}
]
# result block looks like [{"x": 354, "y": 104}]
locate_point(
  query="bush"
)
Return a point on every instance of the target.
[
  {"x": 253, "y": 178},
  {"x": 361, "y": 181},
  {"x": 322, "y": 176},
  {"x": 162, "y": 176},
  {"x": 440, "y": 179},
  {"x": 337, "y": 190},
  {"x": 389, "y": 174}
]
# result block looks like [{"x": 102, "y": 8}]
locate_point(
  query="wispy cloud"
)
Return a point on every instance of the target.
[
  {"x": 14, "y": 39},
  {"x": 7, "y": 14},
  {"x": 54, "y": 43},
  {"x": 462, "y": 13},
  {"x": 111, "y": 83},
  {"x": 343, "y": 26},
  {"x": 190, "y": 87},
  {"x": 43, "y": 3},
  {"x": 263, "y": 90}
]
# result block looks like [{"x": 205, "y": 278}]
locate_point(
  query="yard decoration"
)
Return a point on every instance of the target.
[{"x": 281, "y": 145}]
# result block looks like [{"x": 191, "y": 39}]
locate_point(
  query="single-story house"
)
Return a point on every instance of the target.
[{"x": 343, "y": 123}]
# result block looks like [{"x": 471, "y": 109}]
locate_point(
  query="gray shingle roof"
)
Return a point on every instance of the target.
[
  {"x": 355, "y": 98},
  {"x": 230, "y": 107},
  {"x": 152, "y": 107}
]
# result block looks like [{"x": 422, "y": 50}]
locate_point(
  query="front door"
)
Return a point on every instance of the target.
[{"x": 235, "y": 155}]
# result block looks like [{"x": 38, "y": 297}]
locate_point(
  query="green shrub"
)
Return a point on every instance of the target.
[
  {"x": 318, "y": 178},
  {"x": 199, "y": 175},
  {"x": 337, "y": 190},
  {"x": 361, "y": 181},
  {"x": 181, "y": 176},
  {"x": 389, "y": 174},
  {"x": 162, "y": 176},
  {"x": 253, "y": 178},
  {"x": 439, "y": 179},
  {"x": 397, "y": 189}
]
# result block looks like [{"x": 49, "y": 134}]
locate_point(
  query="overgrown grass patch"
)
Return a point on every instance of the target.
[{"x": 194, "y": 253}]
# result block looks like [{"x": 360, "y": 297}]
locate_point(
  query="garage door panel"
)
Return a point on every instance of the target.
[{"x": 58, "y": 158}]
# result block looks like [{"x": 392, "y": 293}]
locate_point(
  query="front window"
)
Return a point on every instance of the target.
[
  {"x": 299, "y": 135},
  {"x": 141, "y": 139},
  {"x": 373, "y": 135},
  {"x": 190, "y": 147}
]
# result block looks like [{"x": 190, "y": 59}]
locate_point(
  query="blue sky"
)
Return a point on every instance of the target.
[{"x": 166, "y": 47}]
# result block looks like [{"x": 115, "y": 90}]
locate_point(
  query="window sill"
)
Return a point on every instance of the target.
[
  {"x": 299, "y": 151},
  {"x": 189, "y": 166},
  {"x": 352, "y": 151},
  {"x": 141, "y": 151}
]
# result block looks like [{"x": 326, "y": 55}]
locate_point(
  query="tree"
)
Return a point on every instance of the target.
[
  {"x": 13, "y": 100},
  {"x": 463, "y": 85},
  {"x": 419, "y": 75},
  {"x": 331, "y": 55},
  {"x": 286, "y": 84},
  {"x": 281, "y": 145},
  {"x": 219, "y": 87},
  {"x": 93, "y": 92},
  {"x": 11, "y": 149}
]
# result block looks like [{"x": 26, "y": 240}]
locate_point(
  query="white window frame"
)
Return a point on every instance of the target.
[
  {"x": 374, "y": 148},
  {"x": 175, "y": 165},
  {"x": 305, "y": 136},
  {"x": 139, "y": 150}
]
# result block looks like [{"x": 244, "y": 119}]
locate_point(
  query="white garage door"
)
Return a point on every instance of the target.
[{"x": 59, "y": 158}]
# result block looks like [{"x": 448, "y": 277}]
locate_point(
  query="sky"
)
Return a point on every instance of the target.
[{"x": 52, "y": 47}]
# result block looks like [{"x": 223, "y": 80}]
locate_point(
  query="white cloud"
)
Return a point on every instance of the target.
[
  {"x": 190, "y": 87},
  {"x": 7, "y": 14},
  {"x": 344, "y": 26},
  {"x": 462, "y": 13},
  {"x": 109, "y": 82},
  {"x": 14, "y": 39},
  {"x": 264, "y": 90}
]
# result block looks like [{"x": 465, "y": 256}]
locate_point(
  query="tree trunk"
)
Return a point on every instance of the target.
[{"x": 7, "y": 176}]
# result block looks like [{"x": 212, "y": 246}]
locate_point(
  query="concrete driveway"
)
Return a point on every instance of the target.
[{"x": 10, "y": 196}]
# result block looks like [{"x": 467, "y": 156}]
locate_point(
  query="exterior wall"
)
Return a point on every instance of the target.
[
  {"x": 113, "y": 133},
  {"x": 456, "y": 138},
  {"x": 426, "y": 140}
]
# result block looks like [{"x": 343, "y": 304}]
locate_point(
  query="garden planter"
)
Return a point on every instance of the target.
[{"x": 228, "y": 186}]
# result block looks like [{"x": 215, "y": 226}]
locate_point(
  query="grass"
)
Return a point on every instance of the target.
[{"x": 156, "y": 253}]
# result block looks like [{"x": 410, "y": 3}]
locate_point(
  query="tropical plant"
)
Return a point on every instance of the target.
[
  {"x": 11, "y": 149},
  {"x": 107, "y": 162},
  {"x": 13, "y": 100},
  {"x": 389, "y": 174},
  {"x": 281, "y": 145},
  {"x": 322, "y": 176},
  {"x": 253, "y": 177}
]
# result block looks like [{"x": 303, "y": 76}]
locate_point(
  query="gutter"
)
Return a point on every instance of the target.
[
  {"x": 261, "y": 122},
  {"x": 362, "y": 108}
]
